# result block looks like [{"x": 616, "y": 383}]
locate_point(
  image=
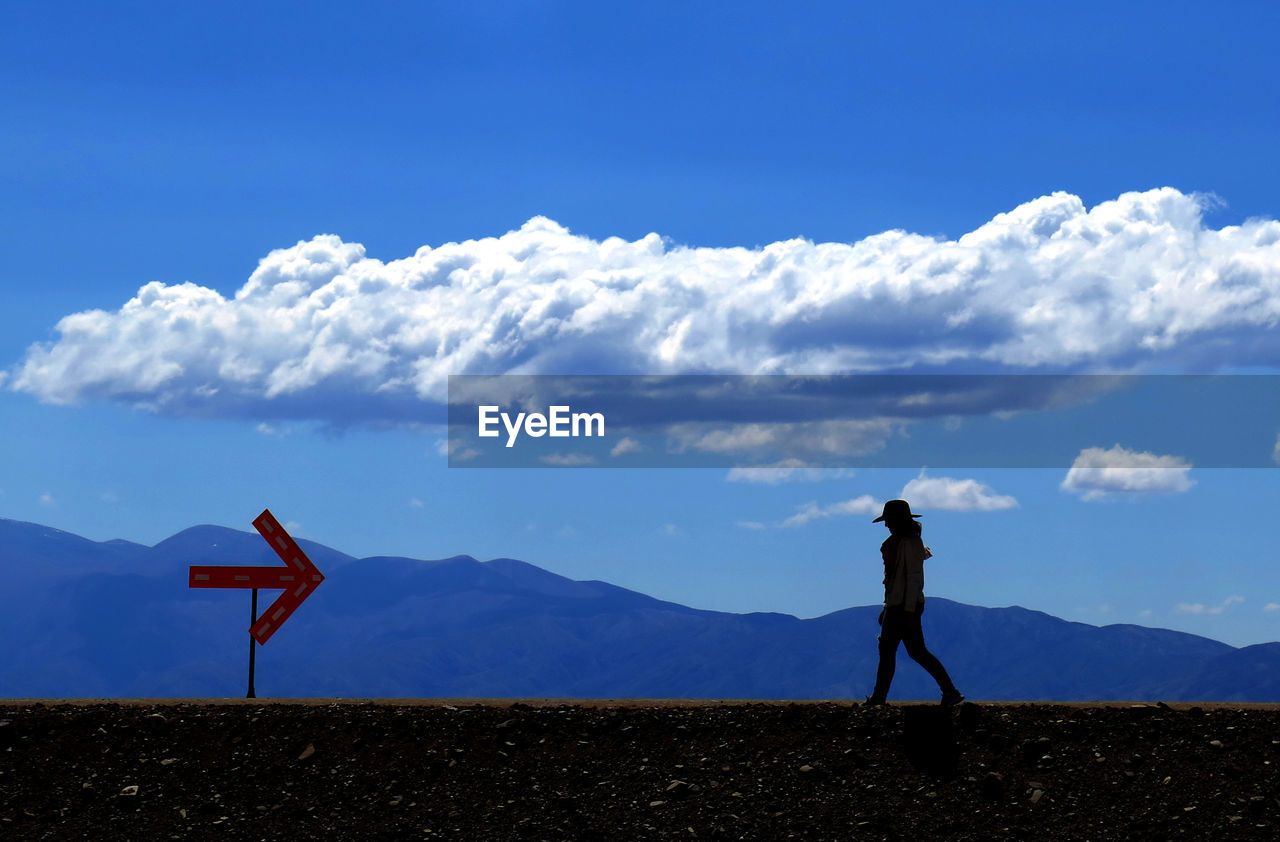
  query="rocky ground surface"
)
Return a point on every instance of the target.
[{"x": 637, "y": 770}]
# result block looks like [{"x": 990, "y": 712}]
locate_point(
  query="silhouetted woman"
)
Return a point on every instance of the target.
[{"x": 904, "y": 553}]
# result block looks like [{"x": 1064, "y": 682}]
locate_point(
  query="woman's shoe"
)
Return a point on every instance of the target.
[
  {"x": 874, "y": 701},
  {"x": 951, "y": 698}
]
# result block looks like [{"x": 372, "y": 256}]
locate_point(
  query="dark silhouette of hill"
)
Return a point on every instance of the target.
[{"x": 85, "y": 618}]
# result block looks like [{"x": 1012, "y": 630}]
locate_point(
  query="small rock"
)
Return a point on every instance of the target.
[
  {"x": 167, "y": 761},
  {"x": 1036, "y": 795},
  {"x": 132, "y": 789},
  {"x": 1034, "y": 749},
  {"x": 307, "y": 752},
  {"x": 806, "y": 769},
  {"x": 678, "y": 788},
  {"x": 1216, "y": 743},
  {"x": 992, "y": 785},
  {"x": 656, "y": 803},
  {"x": 395, "y": 800},
  {"x": 156, "y": 721}
]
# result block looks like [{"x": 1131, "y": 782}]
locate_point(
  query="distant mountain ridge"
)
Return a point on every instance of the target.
[{"x": 85, "y": 618}]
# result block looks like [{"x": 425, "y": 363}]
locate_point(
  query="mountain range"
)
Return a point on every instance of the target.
[{"x": 116, "y": 619}]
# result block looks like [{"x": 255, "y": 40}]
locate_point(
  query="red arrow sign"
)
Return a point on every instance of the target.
[{"x": 299, "y": 577}]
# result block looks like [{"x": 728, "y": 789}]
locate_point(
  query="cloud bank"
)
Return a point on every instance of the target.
[{"x": 323, "y": 331}]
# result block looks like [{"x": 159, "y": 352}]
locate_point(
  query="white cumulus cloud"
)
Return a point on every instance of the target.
[
  {"x": 567, "y": 460},
  {"x": 816, "y": 439},
  {"x": 1201, "y": 608},
  {"x": 810, "y": 512},
  {"x": 954, "y": 495},
  {"x": 456, "y": 450},
  {"x": 625, "y": 445},
  {"x": 323, "y": 331},
  {"x": 788, "y": 470},
  {"x": 1098, "y": 474}
]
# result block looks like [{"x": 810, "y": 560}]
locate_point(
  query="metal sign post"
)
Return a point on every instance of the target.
[
  {"x": 298, "y": 579},
  {"x": 253, "y": 618}
]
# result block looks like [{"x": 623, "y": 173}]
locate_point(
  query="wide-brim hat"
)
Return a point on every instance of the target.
[{"x": 895, "y": 510}]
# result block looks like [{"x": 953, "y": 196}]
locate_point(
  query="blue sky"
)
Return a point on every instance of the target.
[{"x": 141, "y": 143}]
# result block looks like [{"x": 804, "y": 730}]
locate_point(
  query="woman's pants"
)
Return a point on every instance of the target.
[{"x": 899, "y": 626}]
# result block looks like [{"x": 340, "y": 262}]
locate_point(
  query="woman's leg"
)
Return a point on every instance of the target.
[
  {"x": 890, "y": 637},
  {"x": 913, "y": 637}
]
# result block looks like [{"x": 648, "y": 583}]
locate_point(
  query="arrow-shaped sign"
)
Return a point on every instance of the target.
[{"x": 298, "y": 578}]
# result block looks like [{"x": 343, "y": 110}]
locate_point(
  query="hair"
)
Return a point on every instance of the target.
[{"x": 904, "y": 525}]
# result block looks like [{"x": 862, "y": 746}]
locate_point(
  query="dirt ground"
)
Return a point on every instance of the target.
[{"x": 635, "y": 769}]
